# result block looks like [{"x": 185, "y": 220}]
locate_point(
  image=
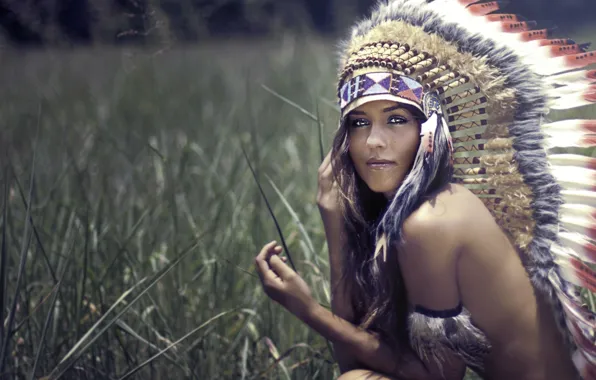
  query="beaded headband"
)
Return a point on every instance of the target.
[
  {"x": 385, "y": 71},
  {"x": 380, "y": 86}
]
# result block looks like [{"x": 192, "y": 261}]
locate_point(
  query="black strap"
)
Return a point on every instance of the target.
[{"x": 448, "y": 313}]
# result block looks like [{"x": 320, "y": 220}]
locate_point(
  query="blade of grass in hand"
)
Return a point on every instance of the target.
[{"x": 281, "y": 236}]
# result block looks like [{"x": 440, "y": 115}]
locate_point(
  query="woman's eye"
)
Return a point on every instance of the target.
[
  {"x": 397, "y": 120},
  {"x": 359, "y": 123}
]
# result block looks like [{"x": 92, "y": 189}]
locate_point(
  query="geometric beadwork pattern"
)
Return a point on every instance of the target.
[{"x": 380, "y": 83}]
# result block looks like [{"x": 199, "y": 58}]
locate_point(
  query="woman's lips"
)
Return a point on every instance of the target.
[{"x": 380, "y": 165}]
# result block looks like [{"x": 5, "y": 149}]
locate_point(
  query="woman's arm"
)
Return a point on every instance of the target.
[
  {"x": 286, "y": 287},
  {"x": 328, "y": 203},
  {"x": 340, "y": 300},
  {"x": 368, "y": 348}
]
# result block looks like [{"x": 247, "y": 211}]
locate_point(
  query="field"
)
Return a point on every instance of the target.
[{"x": 145, "y": 217}]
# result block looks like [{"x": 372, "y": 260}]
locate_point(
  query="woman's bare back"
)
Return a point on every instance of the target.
[{"x": 455, "y": 252}]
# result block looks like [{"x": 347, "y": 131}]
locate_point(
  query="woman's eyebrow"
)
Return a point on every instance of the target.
[
  {"x": 357, "y": 113},
  {"x": 392, "y": 108}
]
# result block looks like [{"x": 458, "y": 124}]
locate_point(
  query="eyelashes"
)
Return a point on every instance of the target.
[
  {"x": 392, "y": 120},
  {"x": 397, "y": 120},
  {"x": 357, "y": 123}
]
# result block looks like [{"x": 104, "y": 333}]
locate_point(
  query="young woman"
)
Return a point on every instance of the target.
[{"x": 454, "y": 237}]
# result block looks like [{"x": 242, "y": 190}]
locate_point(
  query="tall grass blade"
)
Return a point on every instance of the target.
[
  {"x": 80, "y": 305},
  {"x": 58, "y": 372},
  {"x": 151, "y": 359},
  {"x": 320, "y": 130},
  {"x": 244, "y": 359},
  {"x": 35, "y": 232},
  {"x": 281, "y": 236},
  {"x": 24, "y": 249},
  {"x": 296, "y": 219},
  {"x": 291, "y": 103},
  {"x": 331, "y": 104},
  {"x": 122, "y": 247},
  {"x": 46, "y": 325},
  {"x": 92, "y": 329},
  {"x": 129, "y": 330},
  {"x": 279, "y": 358},
  {"x": 3, "y": 253}
]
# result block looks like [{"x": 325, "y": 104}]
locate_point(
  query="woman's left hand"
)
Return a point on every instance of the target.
[{"x": 281, "y": 283}]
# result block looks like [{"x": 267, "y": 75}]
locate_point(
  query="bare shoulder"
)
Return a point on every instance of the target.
[
  {"x": 444, "y": 214},
  {"x": 432, "y": 240}
]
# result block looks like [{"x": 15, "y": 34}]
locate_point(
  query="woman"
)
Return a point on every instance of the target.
[{"x": 448, "y": 232}]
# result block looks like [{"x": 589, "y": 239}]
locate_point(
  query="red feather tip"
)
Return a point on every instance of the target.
[
  {"x": 589, "y": 250},
  {"x": 534, "y": 35},
  {"x": 591, "y": 74},
  {"x": 580, "y": 338},
  {"x": 589, "y": 126},
  {"x": 502, "y": 17},
  {"x": 576, "y": 61},
  {"x": 520, "y": 26},
  {"x": 585, "y": 273},
  {"x": 561, "y": 50},
  {"x": 590, "y": 94},
  {"x": 483, "y": 9},
  {"x": 558, "y": 41},
  {"x": 589, "y": 141}
]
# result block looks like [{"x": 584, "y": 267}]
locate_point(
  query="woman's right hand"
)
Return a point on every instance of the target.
[{"x": 328, "y": 191}]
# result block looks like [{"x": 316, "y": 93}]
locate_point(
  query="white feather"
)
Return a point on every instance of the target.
[
  {"x": 577, "y": 242},
  {"x": 570, "y": 101},
  {"x": 579, "y": 197},
  {"x": 574, "y": 177},
  {"x": 572, "y": 77},
  {"x": 566, "y": 139},
  {"x": 569, "y": 160}
]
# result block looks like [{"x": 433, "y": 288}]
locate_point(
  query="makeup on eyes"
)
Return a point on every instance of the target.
[{"x": 392, "y": 119}]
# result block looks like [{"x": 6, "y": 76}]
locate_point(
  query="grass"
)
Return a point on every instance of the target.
[{"x": 144, "y": 217}]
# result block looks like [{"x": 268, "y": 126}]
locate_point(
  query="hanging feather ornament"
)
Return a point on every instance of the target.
[
  {"x": 431, "y": 103},
  {"x": 381, "y": 247},
  {"x": 489, "y": 79}
]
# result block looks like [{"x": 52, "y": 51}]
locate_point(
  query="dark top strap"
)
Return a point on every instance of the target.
[{"x": 448, "y": 313}]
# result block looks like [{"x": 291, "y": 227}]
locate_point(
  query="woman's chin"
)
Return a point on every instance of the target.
[{"x": 383, "y": 189}]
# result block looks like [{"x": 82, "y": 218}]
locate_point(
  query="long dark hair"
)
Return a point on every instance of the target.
[{"x": 376, "y": 288}]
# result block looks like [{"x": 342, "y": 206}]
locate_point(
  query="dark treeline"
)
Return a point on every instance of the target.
[{"x": 73, "y": 22}]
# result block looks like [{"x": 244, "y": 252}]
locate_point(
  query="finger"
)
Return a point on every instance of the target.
[
  {"x": 327, "y": 158},
  {"x": 326, "y": 161},
  {"x": 278, "y": 251},
  {"x": 267, "y": 275},
  {"x": 280, "y": 268},
  {"x": 266, "y": 250},
  {"x": 261, "y": 261}
]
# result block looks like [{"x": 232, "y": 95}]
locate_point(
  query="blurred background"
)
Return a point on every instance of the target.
[
  {"x": 92, "y": 22},
  {"x": 129, "y": 215}
]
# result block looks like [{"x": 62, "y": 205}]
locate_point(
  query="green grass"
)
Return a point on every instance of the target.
[
  {"x": 145, "y": 218},
  {"x": 137, "y": 162}
]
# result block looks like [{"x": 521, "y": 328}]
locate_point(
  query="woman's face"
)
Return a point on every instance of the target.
[{"x": 384, "y": 139}]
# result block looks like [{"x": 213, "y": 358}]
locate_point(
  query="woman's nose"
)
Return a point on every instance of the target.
[{"x": 376, "y": 137}]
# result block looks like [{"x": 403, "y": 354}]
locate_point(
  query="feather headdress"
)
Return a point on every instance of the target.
[{"x": 495, "y": 77}]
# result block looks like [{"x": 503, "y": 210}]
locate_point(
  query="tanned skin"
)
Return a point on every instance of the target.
[{"x": 453, "y": 251}]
